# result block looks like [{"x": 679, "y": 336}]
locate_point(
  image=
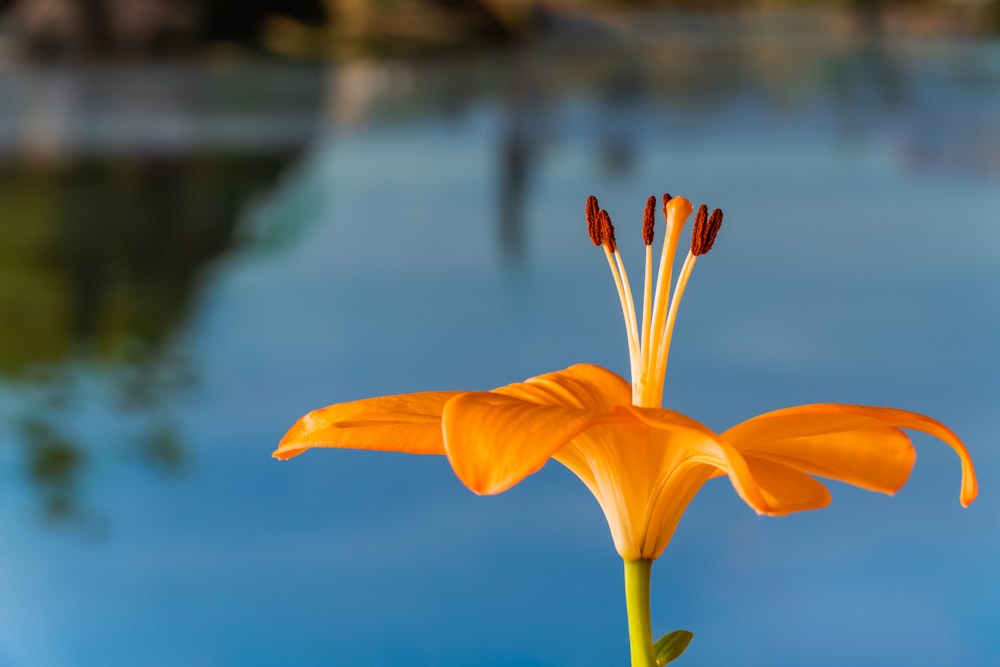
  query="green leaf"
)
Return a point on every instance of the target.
[{"x": 671, "y": 645}]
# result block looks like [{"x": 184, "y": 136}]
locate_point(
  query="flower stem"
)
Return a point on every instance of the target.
[{"x": 640, "y": 632}]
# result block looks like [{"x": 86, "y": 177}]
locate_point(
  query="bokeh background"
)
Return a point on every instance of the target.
[{"x": 216, "y": 216}]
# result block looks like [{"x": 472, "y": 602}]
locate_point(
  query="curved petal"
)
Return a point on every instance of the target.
[
  {"x": 667, "y": 506},
  {"x": 682, "y": 455},
  {"x": 783, "y": 489},
  {"x": 493, "y": 441},
  {"x": 582, "y": 386},
  {"x": 874, "y": 459},
  {"x": 857, "y": 444},
  {"x": 617, "y": 462},
  {"x": 786, "y": 489},
  {"x": 705, "y": 446},
  {"x": 408, "y": 423}
]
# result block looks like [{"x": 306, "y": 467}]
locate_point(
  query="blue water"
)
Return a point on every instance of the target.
[{"x": 398, "y": 250}]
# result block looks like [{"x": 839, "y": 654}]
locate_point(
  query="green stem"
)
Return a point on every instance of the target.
[{"x": 640, "y": 632}]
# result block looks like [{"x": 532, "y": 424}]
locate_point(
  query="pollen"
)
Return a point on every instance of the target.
[
  {"x": 706, "y": 227},
  {"x": 607, "y": 231},
  {"x": 593, "y": 226},
  {"x": 648, "y": 221}
]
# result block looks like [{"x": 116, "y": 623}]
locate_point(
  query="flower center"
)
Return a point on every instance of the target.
[{"x": 649, "y": 334}]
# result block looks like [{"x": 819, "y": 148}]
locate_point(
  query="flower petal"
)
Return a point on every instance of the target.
[
  {"x": 582, "y": 386},
  {"x": 408, "y": 423},
  {"x": 702, "y": 445},
  {"x": 874, "y": 459},
  {"x": 493, "y": 441},
  {"x": 666, "y": 507},
  {"x": 618, "y": 463},
  {"x": 857, "y": 444},
  {"x": 786, "y": 489},
  {"x": 496, "y": 439},
  {"x": 783, "y": 489}
]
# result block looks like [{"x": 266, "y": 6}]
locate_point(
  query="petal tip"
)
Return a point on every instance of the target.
[
  {"x": 284, "y": 452},
  {"x": 968, "y": 496}
]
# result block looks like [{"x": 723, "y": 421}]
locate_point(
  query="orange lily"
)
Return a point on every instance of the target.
[{"x": 644, "y": 463}]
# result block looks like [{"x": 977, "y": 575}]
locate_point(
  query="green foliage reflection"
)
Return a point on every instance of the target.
[{"x": 101, "y": 264}]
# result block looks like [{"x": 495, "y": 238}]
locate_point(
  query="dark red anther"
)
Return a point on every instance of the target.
[{"x": 648, "y": 221}]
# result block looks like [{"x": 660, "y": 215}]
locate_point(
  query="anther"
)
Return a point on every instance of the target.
[
  {"x": 705, "y": 229},
  {"x": 666, "y": 200},
  {"x": 593, "y": 224},
  {"x": 648, "y": 220},
  {"x": 607, "y": 231},
  {"x": 714, "y": 224}
]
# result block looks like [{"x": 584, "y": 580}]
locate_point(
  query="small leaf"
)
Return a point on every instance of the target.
[{"x": 671, "y": 645}]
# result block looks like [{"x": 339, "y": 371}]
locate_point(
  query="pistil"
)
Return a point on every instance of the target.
[{"x": 676, "y": 211}]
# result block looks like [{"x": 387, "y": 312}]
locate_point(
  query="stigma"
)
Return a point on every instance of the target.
[{"x": 650, "y": 330}]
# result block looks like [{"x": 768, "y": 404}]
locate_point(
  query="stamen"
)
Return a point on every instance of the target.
[
  {"x": 648, "y": 221},
  {"x": 593, "y": 228},
  {"x": 700, "y": 229},
  {"x": 714, "y": 225},
  {"x": 607, "y": 231},
  {"x": 649, "y": 346},
  {"x": 705, "y": 230},
  {"x": 706, "y": 227},
  {"x": 663, "y": 350}
]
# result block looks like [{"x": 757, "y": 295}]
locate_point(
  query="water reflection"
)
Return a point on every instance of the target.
[
  {"x": 661, "y": 76},
  {"x": 103, "y": 262},
  {"x": 53, "y": 464}
]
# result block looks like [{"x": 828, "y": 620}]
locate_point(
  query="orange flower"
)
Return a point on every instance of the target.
[{"x": 642, "y": 462}]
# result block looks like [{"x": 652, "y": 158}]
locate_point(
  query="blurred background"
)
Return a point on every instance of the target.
[{"x": 218, "y": 215}]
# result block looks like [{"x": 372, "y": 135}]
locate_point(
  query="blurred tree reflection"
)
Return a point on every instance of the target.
[
  {"x": 53, "y": 465},
  {"x": 101, "y": 262}
]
